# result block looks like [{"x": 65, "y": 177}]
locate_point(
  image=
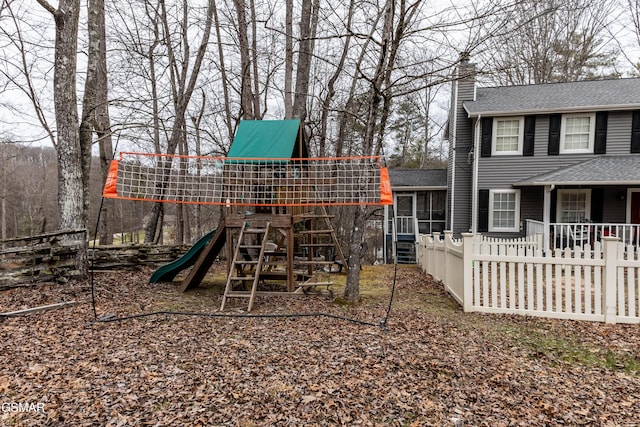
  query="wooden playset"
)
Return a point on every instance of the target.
[{"x": 276, "y": 233}]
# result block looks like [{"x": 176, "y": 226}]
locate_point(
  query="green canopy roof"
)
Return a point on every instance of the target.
[{"x": 269, "y": 139}]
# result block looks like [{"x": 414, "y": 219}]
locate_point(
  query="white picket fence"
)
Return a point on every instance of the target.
[{"x": 516, "y": 277}]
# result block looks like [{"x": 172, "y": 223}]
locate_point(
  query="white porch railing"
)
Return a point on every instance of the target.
[
  {"x": 405, "y": 225},
  {"x": 581, "y": 283},
  {"x": 563, "y": 235},
  {"x": 533, "y": 227}
]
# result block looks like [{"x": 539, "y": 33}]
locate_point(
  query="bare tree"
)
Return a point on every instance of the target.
[
  {"x": 27, "y": 189},
  {"x": 7, "y": 166},
  {"x": 95, "y": 111},
  {"x": 634, "y": 8},
  {"x": 398, "y": 16},
  {"x": 331, "y": 84},
  {"x": 246, "y": 94},
  {"x": 183, "y": 83},
  {"x": 308, "y": 21},
  {"x": 223, "y": 73},
  {"x": 4, "y": 4},
  {"x": 197, "y": 121},
  {"x": 288, "y": 61},
  {"x": 18, "y": 69},
  {"x": 71, "y": 180},
  {"x": 553, "y": 41}
]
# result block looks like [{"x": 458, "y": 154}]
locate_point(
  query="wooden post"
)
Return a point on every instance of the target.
[
  {"x": 610, "y": 255},
  {"x": 291, "y": 279},
  {"x": 229, "y": 248}
]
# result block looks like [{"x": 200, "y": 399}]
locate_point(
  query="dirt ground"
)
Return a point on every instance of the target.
[{"x": 432, "y": 365}]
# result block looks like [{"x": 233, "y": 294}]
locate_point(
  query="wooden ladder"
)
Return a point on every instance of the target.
[
  {"x": 315, "y": 238},
  {"x": 241, "y": 259},
  {"x": 334, "y": 237}
]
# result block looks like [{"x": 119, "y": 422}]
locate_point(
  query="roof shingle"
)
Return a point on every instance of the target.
[
  {"x": 589, "y": 95},
  {"x": 601, "y": 170},
  {"x": 418, "y": 177}
]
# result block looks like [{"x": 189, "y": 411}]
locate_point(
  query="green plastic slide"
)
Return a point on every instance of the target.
[{"x": 167, "y": 272}]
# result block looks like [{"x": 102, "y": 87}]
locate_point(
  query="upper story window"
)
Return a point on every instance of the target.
[
  {"x": 577, "y": 133},
  {"x": 508, "y": 135}
]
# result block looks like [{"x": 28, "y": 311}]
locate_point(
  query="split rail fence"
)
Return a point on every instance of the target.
[{"x": 595, "y": 283}]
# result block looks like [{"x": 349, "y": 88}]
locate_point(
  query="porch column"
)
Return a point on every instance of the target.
[{"x": 546, "y": 216}]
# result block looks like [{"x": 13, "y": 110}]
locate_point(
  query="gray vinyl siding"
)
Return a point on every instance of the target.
[
  {"x": 530, "y": 208},
  {"x": 614, "y": 205},
  {"x": 497, "y": 172},
  {"x": 462, "y": 211},
  {"x": 450, "y": 158},
  {"x": 531, "y": 203},
  {"x": 461, "y": 219},
  {"x": 500, "y": 172}
]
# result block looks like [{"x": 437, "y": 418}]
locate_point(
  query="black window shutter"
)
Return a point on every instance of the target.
[
  {"x": 486, "y": 135},
  {"x": 597, "y": 200},
  {"x": 529, "y": 135},
  {"x": 600, "y": 144},
  {"x": 483, "y": 210},
  {"x": 635, "y": 132},
  {"x": 555, "y": 120},
  {"x": 554, "y": 206}
]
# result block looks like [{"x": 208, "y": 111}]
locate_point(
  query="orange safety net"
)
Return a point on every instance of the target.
[{"x": 227, "y": 181}]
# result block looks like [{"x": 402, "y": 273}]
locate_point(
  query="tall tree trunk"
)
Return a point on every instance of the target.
[
  {"x": 196, "y": 120},
  {"x": 345, "y": 116},
  {"x": 254, "y": 61},
  {"x": 288, "y": 61},
  {"x": 183, "y": 85},
  {"x": 95, "y": 112},
  {"x": 354, "y": 259},
  {"x": 223, "y": 75},
  {"x": 3, "y": 196},
  {"x": 154, "y": 16},
  {"x": 375, "y": 97},
  {"x": 246, "y": 94},
  {"x": 157, "y": 212},
  {"x": 424, "y": 158},
  {"x": 304, "y": 61},
  {"x": 326, "y": 102},
  {"x": 180, "y": 208},
  {"x": 73, "y": 213}
]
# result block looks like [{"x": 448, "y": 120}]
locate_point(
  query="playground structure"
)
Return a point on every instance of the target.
[{"x": 276, "y": 230}]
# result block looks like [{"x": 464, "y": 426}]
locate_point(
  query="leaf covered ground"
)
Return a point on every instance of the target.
[{"x": 431, "y": 365}]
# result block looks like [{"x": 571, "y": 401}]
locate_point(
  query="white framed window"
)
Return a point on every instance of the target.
[
  {"x": 507, "y": 134},
  {"x": 577, "y": 133},
  {"x": 574, "y": 206},
  {"x": 504, "y": 210}
]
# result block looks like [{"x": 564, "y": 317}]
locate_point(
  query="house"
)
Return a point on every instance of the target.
[
  {"x": 561, "y": 158},
  {"x": 419, "y": 197}
]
